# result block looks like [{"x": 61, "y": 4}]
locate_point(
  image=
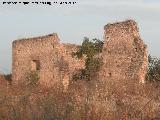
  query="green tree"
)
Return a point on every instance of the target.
[
  {"x": 89, "y": 48},
  {"x": 153, "y": 73}
]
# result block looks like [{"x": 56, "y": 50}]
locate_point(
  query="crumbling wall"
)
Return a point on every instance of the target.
[
  {"x": 68, "y": 63},
  {"x": 124, "y": 54},
  {"x": 67, "y": 51},
  {"x": 41, "y": 49},
  {"x": 55, "y": 61}
]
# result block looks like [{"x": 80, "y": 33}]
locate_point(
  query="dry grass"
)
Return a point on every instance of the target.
[{"x": 92, "y": 100}]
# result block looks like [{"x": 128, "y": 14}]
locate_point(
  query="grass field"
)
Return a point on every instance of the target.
[{"x": 94, "y": 100}]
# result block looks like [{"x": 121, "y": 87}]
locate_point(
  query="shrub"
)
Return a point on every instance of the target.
[
  {"x": 89, "y": 48},
  {"x": 100, "y": 101},
  {"x": 32, "y": 78},
  {"x": 153, "y": 73}
]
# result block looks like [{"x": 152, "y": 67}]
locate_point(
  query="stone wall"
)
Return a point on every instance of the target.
[
  {"x": 68, "y": 64},
  {"x": 124, "y": 53},
  {"x": 52, "y": 60},
  {"x": 124, "y": 56},
  {"x": 40, "y": 49}
]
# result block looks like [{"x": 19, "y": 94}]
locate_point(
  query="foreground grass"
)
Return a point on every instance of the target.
[{"x": 92, "y": 100}]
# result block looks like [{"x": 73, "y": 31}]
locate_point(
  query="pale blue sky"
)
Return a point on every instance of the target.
[{"x": 73, "y": 22}]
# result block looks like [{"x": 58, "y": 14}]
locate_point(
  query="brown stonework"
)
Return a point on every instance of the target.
[
  {"x": 124, "y": 53},
  {"x": 124, "y": 56},
  {"x": 52, "y": 60}
]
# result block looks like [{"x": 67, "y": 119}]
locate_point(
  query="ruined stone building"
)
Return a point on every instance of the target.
[
  {"x": 53, "y": 61},
  {"x": 124, "y": 56}
]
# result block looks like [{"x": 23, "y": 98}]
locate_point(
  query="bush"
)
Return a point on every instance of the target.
[
  {"x": 153, "y": 73},
  {"x": 92, "y": 64},
  {"x": 32, "y": 78}
]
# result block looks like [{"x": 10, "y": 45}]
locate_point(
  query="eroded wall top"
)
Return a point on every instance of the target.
[
  {"x": 124, "y": 52},
  {"x": 50, "y": 37}
]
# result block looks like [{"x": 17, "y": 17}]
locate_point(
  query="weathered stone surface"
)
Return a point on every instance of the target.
[
  {"x": 53, "y": 61},
  {"x": 124, "y": 56},
  {"x": 124, "y": 53}
]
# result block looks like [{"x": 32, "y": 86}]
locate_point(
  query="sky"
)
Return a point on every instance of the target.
[{"x": 72, "y": 23}]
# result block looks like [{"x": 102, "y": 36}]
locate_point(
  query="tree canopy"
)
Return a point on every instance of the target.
[
  {"x": 153, "y": 69},
  {"x": 90, "y": 48}
]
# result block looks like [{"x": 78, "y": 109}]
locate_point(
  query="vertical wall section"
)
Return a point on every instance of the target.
[
  {"x": 124, "y": 53},
  {"x": 40, "y": 49}
]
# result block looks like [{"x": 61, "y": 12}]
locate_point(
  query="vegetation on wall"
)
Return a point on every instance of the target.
[
  {"x": 89, "y": 49},
  {"x": 153, "y": 73},
  {"x": 32, "y": 78}
]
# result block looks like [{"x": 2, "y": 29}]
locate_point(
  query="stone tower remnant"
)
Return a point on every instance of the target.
[{"x": 124, "y": 54}]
